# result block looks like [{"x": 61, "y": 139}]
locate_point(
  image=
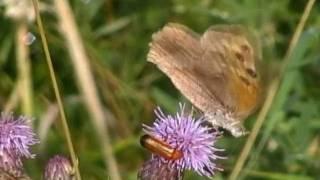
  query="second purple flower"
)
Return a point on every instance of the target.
[
  {"x": 188, "y": 135},
  {"x": 16, "y": 137}
]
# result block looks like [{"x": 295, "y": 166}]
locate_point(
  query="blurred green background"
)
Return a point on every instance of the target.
[{"x": 116, "y": 34}]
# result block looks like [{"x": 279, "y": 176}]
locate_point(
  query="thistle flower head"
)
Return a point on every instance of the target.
[
  {"x": 191, "y": 137},
  {"x": 16, "y": 136},
  {"x": 58, "y": 167}
]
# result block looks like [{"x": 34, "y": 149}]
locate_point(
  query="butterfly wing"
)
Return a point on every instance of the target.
[{"x": 176, "y": 50}]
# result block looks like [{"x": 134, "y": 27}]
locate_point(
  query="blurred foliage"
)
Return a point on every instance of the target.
[{"x": 116, "y": 36}]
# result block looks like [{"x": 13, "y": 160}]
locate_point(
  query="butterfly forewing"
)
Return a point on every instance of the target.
[{"x": 176, "y": 50}]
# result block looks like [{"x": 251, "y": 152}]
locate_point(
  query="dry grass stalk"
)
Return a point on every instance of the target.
[{"x": 86, "y": 81}]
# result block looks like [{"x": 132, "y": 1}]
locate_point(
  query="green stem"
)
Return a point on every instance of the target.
[{"x": 56, "y": 90}]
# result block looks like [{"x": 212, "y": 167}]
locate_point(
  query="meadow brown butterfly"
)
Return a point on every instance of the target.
[{"x": 216, "y": 71}]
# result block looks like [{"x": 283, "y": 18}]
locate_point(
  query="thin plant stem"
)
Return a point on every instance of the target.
[
  {"x": 271, "y": 94},
  {"x": 298, "y": 32},
  {"x": 23, "y": 66},
  {"x": 86, "y": 82},
  {"x": 255, "y": 130},
  {"x": 56, "y": 90}
]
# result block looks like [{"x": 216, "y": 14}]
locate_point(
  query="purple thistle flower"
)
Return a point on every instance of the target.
[
  {"x": 58, "y": 167},
  {"x": 188, "y": 135},
  {"x": 16, "y": 136}
]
